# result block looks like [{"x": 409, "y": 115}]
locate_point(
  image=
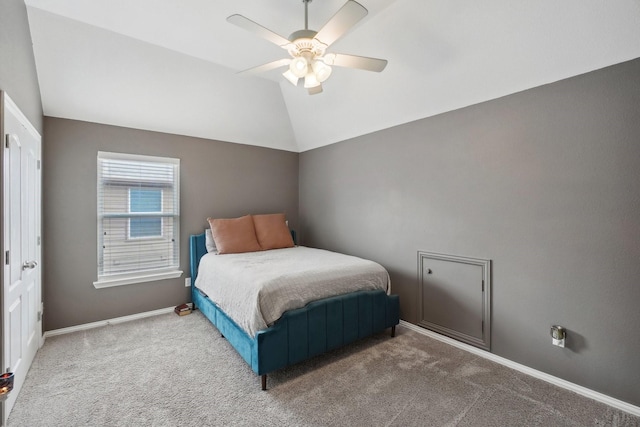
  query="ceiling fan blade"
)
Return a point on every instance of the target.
[
  {"x": 315, "y": 90},
  {"x": 341, "y": 22},
  {"x": 258, "y": 29},
  {"x": 353, "y": 61},
  {"x": 267, "y": 67}
]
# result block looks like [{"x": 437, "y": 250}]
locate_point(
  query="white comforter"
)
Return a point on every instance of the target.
[{"x": 255, "y": 288}]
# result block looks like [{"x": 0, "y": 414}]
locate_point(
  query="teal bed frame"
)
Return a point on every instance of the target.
[{"x": 303, "y": 333}]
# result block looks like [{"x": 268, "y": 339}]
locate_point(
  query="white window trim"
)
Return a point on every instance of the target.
[
  {"x": 148, "y": 276},
  {"x": 138, "y": 278}
]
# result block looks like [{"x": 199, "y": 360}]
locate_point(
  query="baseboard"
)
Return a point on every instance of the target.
[
  {"x": 113, "y": 321},
  {"x": 603, "y": 398}
]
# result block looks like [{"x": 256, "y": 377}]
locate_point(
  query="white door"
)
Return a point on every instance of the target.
[{"x": 22, "y": 324}]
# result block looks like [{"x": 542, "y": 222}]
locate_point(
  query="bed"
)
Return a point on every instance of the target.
[{"x": 302, "y": 333}]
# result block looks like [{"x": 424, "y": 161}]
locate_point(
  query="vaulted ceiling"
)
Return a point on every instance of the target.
[{"x": 171, "y": 65}]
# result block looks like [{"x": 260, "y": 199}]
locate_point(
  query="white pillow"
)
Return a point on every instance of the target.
[{"x": 209, "y": 242}]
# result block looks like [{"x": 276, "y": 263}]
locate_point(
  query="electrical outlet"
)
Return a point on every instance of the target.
[
  {"x": 187, "y": 282},
  {"x": 558, "y": 335}
]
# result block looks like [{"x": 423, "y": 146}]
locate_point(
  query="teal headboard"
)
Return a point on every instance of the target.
[{"x": 197, "y": 249}]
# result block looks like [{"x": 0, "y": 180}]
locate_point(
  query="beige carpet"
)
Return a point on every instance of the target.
[{"x": 169, "y": 371}]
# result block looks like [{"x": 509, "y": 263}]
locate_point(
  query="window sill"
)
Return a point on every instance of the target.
[{"x": 130, "y": 280}]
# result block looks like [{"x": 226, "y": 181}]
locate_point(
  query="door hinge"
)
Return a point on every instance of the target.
[
  {"x": 38, "y": 240},
  {"x": 7, "y": 139},
  {"x": 6, "y": 258},
  {"x": 38, "y": 165},
  {"x": 39, "y": 316},
  {"x": 483, "y": 326},
  {"x": 483, "y": 286}
]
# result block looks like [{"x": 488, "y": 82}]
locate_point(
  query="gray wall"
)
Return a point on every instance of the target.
[
  {"x": 545, "y": 183},
  {"x": 217, "y": 179},
  {"x": 17, "y": 65}
]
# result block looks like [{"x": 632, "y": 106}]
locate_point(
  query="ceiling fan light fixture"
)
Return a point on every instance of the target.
[
  {"x": 321, "y": 70},
  {"x": 291, "y": 77},
  {"x": 299, "y": 66},
  {"x": 310, "y": 81}
]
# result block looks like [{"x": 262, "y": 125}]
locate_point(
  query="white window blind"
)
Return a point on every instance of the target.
[{"x": 138, "y": 218}]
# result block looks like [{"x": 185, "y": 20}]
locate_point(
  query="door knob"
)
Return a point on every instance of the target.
[{"x": 29, "y": 264}]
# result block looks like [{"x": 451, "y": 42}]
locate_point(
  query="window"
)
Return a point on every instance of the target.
[
  {"x": 138, "y": 219},
  {"x": 147, "y": 200}
]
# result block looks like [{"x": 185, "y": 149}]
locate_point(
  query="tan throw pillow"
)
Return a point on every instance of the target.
[
  {"x": 272, "y": 231},
  {"x": 235, "y": 235}
]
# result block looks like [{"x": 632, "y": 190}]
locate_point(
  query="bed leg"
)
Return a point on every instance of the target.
[
  {"x": 393, "y": 331},
  {"x": 264, "y": 381}
]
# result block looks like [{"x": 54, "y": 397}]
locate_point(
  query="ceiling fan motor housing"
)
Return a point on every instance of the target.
[{"x": 303, "y": 41}]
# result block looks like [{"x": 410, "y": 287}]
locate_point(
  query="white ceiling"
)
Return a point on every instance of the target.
[{"x": 170, "y": 65}]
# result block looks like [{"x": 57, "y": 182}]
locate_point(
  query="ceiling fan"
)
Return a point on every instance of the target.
[{"x": 307, "y": 48}]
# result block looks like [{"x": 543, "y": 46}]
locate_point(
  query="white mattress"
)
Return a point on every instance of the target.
[{"x": 255, "y": 288}]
